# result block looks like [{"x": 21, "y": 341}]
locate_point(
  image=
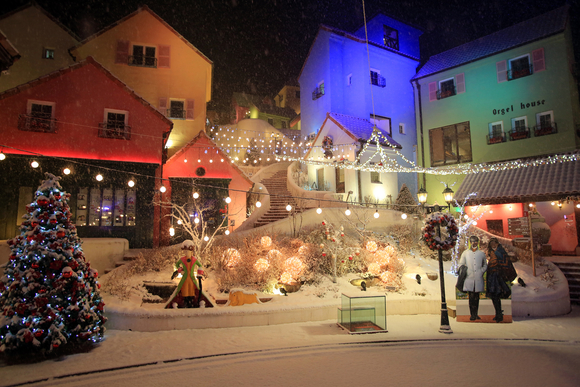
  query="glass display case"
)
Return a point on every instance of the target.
[{"x": 363, "y": 314}]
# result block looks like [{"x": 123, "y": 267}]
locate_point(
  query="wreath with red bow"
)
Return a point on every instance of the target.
[{"x": 435, "y": 242}]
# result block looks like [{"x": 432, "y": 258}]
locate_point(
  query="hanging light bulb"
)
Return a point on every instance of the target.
[
  {"x": 319, "y": 210},
  {"x": 195, "y": 195},
  {"x": 171, "y": 231},
  {"x": 258, "y": 204},
  {"x": 99, "y": 177},
  {"x": 185, "y": 160},
  {"x": 34, "y": 164},
  {"x": 376, "y": 215},
  {"x": 131, "y": 183},
  {"x": 206, "y": 238},
  {"x": 196, "y": 220},
  {"x": 404, "y": 216},
  {"x": 2, "y": 156},
  {"x": 228, "y": 200},
  {"x": 66, "y": 171},
  {"x": 347, "y": 212},
  {"x": 227, "y": 232},
  {"x": 288, "y": 207},
  {"x": 179, "y": 221},
  {"x": 162, "y": 189}
]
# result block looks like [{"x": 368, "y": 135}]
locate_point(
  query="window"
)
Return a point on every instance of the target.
[
  {"x": 339, "y": 175},
  {"x": 545, "y": 124},
  {"x": 105, "y": 207},
  {"x": 39, "y": 117},
  {"x": 115, "y": 125},
  {"x": 48, "y": 53},
  {"x": 319, "y": 91},
  {"x": 283, "y": 124},
  {"x": 391, "y": 37},
  {"x": 401, "y": 128},
  {"x": 496, "y": 134},
  {"x": 519, "y": 67},
  {"x": 176, "y": 109},
  {"x": 143, "y": 56},
  {"x": 446, "y": 88},
  {"x": 450, "y": 144},
  {"x": 376, "y": 177},
  {"x": 383, "y": 123},
  {"x": 377, "y": 79},
  {"x": 520, "y": 128}
]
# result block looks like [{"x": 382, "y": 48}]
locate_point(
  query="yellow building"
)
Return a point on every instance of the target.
[
  {"x": 161, "y": 66},
  {"x": 41, "y": 40}
]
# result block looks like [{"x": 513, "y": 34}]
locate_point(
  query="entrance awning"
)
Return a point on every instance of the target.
[{"x": 529, "y": 184}]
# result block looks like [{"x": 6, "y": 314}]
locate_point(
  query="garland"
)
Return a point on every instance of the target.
[{"x": 434, "y": 242}]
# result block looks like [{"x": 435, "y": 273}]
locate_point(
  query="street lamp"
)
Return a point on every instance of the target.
[
  {"x": 422, "y": 195},
  {"x": 448, "y": 195}
]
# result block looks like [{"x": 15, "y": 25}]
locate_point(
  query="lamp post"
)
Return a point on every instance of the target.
[
  {"x": 448, "y": 195},
  {"x": 422, "y": 196}
]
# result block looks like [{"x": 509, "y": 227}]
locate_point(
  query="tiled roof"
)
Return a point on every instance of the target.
[
  {"x": 540, "y": 27},
  {"x": 359, "y": 127},
  {"x": 535, "y": 183}
]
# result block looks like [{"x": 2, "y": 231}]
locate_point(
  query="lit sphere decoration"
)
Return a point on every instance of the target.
[
  {"x": 227, "y": 232},
  {"x": 261, "y": 265},
  {"x": 347, "y": 212},
  {"x": 99, "y": 177},
  {"x": 131, "y": 183},
  {"x": 294, "y": 266},
  {"x": 274, "y": 254},
  {"x": 288, "y": 207},
  {"x": 66, "y": 171},
  {"x": 2, "y": 156},
  {"x": 196, "y": 220},
  {"x": 387, "y": 276},
  {"x": 319, "y": 210},
  {"x": 286, "y": 278},
  {"x": 258, "y": 204},
  {"x": 195, "y": 195},
  {"x": 266, "y": 242},
  {"x": 371, "y": 246},
  {"x": 383, "y": 258},
  {"x": 171, "y": 231},
  {"x": 232, "y": 257},
  {"x": 162, "y": 189},
  {"x": 403, "y": 216},
  {"x": 206, "y": 238},
  {"x": 228, "y": 200},
  {"x": 374, "y": 268},
  {"x": 34, "y": 164},
  {"x": 376, "y": 215}
]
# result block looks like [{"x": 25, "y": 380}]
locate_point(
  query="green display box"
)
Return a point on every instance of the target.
[{"x": 363, "y": 314}]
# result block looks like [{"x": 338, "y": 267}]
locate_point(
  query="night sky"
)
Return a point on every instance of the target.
[{"x": 258, "y": 45}]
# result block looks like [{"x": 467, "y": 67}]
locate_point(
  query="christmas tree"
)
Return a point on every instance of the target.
[
  {"x": 405, "y": 201},
  {"x": 49, "y": 295}
]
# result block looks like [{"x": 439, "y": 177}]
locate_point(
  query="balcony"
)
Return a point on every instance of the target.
[
  {"x": 519, "y": 133},
  {"x": 378, "y": 80},
  {"x": 31, "y": 123},
  {"x": 114, "y": 130},
  {"x": 446, "y": 93},
  {"x": 317, "y": 93},
  {"x": 495, "y": 138},
  {"x": 520, "y": 72},
  {"x": 545, "y": 129},
  {"x": 142, "y": 61}
]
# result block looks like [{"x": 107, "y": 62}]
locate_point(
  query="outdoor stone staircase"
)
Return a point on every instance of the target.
[
  {"x": 572, "y": 272},
  {"x": 280, "y": 197},
  {"x": 130, "y": 255}
]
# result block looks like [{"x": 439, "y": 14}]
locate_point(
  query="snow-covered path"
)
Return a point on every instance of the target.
[{"x": 290, "y": 352}]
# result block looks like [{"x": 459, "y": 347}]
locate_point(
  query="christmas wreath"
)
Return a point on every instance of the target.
[{"x": 435, "y": 242}]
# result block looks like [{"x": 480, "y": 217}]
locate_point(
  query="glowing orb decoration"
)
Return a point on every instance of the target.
[
  {"x": 195, "y": 195},
  {"x": 374, "y": 268},
  {"x": 391, "y": 251},
  {"x": 2, "y": 156},
  {"x": 303, "y": 250},
  {"x": 386, "y": 276},
  {"x": 227, "y": 232},
  {"x": 162, "y": 189},
  {"x": 288, "y": 207},
  {"x": 232, "y": 257},
  {"x": 196, "y": 220},
  {"x": 347, "y": 212},
  {"x": 382, "y": 258},
  {"x": 274, "y": 254},
  {"x": 171, "y": 231},
  {"x": 294, "y": 266},
  {"x": 261, "y": 265},
  {"x": 34, "y": 164},
  {"x": 403, "y": 216},
  {"x": 179, "y": 221},
  {"x": 319, "y": 211},
  {"x": 99, "y": 177},
  {"x": 376, "y": 215},
  {"x": 266, "y": 242},
  {"x": 258, "y": 204},
  {"x": 371, "y": 246},
  {"x": 228, "y": 200},
  {"x": 206, "y": 238},
  {"x": 286, "y": 278},
  {"x": 66, "y": 171}
]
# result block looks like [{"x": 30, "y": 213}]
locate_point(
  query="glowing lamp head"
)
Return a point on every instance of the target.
[
  {"x": 34, "y": 164},
  {"x": 66, "y": 171},
  {"x": 448, "y": 195},
  {"x": 422, "y": 195},
  {"x": 99, "y": 177}
]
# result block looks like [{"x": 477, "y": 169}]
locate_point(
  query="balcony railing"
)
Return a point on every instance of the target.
[
  {"x": 545, "y": 129},
  {"x": 36, "y": 124},
  {"x": 378, "y": 81},
  {"x": 113, "y": 130},
  {"x": 496, "y": 138},
  {"x": 519, "y": 133},
  {"x": 317, "y": 93},
  {"x": 446, "y": 93},
  {"x": 391, "y": 42},
  {"x": 519, "y": 72},
  {"x": 142, "y": 61}
]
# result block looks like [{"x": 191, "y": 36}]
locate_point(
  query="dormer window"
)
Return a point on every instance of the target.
[
  {"x": 391, "y": 37},
  {"x": 48, "y": 53},
  {"x": 143, "y": 56}
]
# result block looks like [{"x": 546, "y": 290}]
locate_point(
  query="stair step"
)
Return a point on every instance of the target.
[{"x": 120, "y": 263}]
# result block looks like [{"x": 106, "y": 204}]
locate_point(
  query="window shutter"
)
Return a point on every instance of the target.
[
  {"x": 163, "y": 106},
  {"x": 122, "y": 54},
  {"x": 460, "y": 83},
  {"x": 164, "y": 55},
  {"x": 189, "y": 109},
  {"x": 432, "y": 91},
  {"x": 538, "y": 60},
  {"x": 501, "y": 68}
]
